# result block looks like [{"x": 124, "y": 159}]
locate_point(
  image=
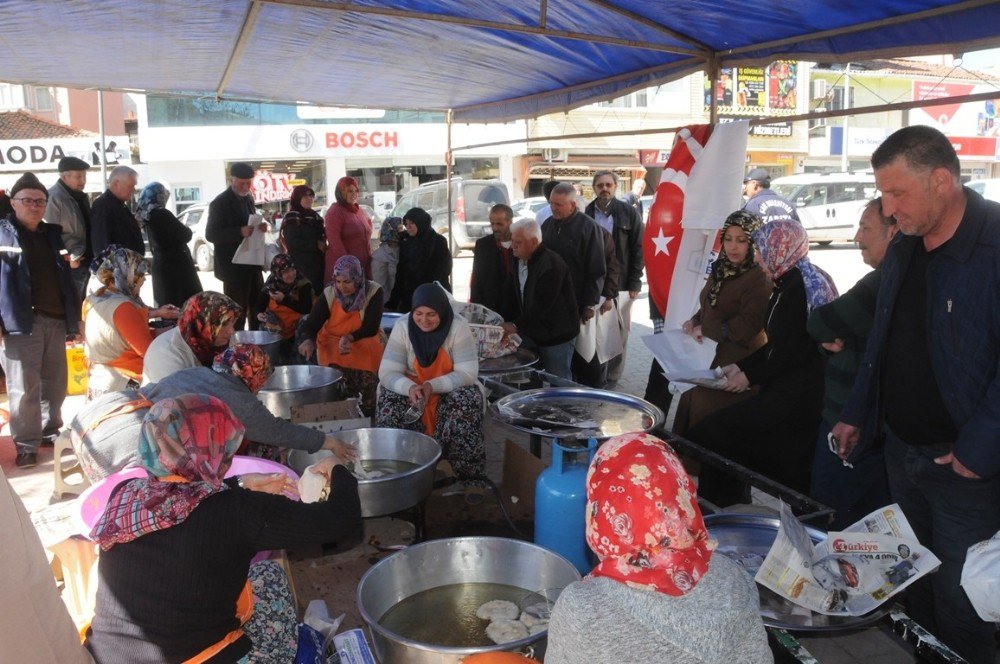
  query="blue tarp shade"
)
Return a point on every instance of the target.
[{"x": 489, "y": 60}]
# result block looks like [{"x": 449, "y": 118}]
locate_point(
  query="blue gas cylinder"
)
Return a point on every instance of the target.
[{"x": 561, "y": 503}]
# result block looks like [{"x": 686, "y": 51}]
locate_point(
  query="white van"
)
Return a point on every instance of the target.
[
  {"x": 829, "y": 204},
  {"x": 989, "y": 189}
]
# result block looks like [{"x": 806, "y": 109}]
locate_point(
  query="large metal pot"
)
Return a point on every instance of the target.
[
  {"x": 391, "y": 493},
  {"x": 269, "y": 342},
  {"x": 297, "y": 385},
  {"x": 449, "y": 561}
]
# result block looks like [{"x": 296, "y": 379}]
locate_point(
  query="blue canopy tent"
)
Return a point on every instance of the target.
[{"x": 486, "y": 60}]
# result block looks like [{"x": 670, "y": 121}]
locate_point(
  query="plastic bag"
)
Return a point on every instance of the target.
[{"x": 981, "y": 578}]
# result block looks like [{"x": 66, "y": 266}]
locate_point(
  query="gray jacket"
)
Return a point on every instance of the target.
[
  {"x": 63, "y": 211},
  {"x": 112, "y": 445},
  {"x": 603, "y": 621}
]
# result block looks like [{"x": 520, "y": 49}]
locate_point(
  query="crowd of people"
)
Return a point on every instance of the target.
[{"x": 886, "y": 393}]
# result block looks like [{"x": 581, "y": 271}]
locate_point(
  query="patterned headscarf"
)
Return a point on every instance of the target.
[
  {"x": 784, "y": 244},
  {"x": 340, "y": 192},
  {"x": 154, "y": 195},
  {"x": 248, "y": 362},
  {"x": 724, "y": 269},
  {"x": 643, "y": 519},
  {"x": 186, "y": 445},
  {"x": 349, "y": 267},
  {"x": 202, "y": 317},
  {"x": 389, "y": 232},
  {"x": 120, "y": 270},
  {"x": 274, "y": 282}
]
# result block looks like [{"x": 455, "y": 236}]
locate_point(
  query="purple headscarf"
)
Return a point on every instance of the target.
[{"x": 349, "y": 267}]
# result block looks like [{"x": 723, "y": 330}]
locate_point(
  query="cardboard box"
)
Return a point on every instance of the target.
[
  {"x": 331, "y": 416},
  {"x": 521, "y": 469}
]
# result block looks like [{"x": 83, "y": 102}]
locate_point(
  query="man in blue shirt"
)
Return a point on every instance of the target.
[{"x": 763, "y": 202}]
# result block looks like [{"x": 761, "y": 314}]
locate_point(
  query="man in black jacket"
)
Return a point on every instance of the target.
[
  {"x": 539, "y": 300},
  {"x": 227, "y": 225},
  {"x": 111, "y": 222},
  {"x": 492, "y": 260},
  {"x": 624, "y": 222}
]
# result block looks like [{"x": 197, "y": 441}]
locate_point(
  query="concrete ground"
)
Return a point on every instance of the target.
[{"x": 334, "y": 576}]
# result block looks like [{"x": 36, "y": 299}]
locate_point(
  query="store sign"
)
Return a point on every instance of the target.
[
  {"x": 774, "y": 129},
  {"x": 984, "y": 147},
  {"x": 362, "y": 139},
  {"x": 755, "y": 91},
  {"x": 653, "y": 157},
  {"x": 269, "y": 187},
  {"x": 44, "y": 154}
]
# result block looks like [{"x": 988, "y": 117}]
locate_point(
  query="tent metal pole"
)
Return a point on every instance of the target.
[
  {"x": 102, "y": 152},
  {"x": 448, "y": 188},
  {"x": 713, "y": 80},
  {"x": 845, "y": 159}
]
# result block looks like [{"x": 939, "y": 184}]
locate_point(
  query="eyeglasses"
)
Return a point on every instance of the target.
[
  {"x": 834, "y": 447},
  {"x": 37, "y": 202}
]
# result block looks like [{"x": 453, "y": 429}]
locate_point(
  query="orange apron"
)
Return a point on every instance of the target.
[
  {"x": 365, "y": 354},
  {"x": 441, "y": 365},
  {"x": 287, "y": 316}
]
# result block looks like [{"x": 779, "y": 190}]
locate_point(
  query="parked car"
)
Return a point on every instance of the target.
[
  {"x": 988, "y": 188},
  {"x": 472, "y": 200},
  {"x": 529, "y": 207},
  {"x": 829, "y": 204},
  {"x": 195, "y": 217}
]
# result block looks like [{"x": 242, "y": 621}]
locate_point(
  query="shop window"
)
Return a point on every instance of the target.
[{"x": 185, "y": 196}]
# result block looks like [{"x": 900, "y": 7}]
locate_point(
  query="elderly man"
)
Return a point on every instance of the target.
[
  {"x": 539, "y": 300},
  {"x": 763, "y": 202},
  {"x": 228, "y": 215},
  {"x": 624, "y": 222},
  {"x": 842, "y": 326},
  {"x": 39, "y": 307},
  {"x": 111, "y": 222},
  {"x": 69, "y": 208},
  {"x": 492, "y": 260},
  {"x": 546, "y": 211},
  {"x": 578, "y": 241},
  {"x": 930, "y": 372}
]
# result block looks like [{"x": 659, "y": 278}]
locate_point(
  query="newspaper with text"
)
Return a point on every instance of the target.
[{"x": 851, "y": 572}]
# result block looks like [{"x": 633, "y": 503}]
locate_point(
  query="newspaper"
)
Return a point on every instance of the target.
[
  {"x": 685, "y": 360},
  {"x": 850, "y": 573}
]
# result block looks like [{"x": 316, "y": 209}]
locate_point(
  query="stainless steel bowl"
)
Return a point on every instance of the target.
[
  {"x": 449, "y": 561},
  {"x": 389, "y": 320},
  {"x": 391, "y": 493},
  {"x": 297, "y": 385},
  {"x": 268, "y": 341}
]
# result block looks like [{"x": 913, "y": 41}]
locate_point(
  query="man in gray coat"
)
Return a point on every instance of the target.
[{"x": 69, "y": 208}]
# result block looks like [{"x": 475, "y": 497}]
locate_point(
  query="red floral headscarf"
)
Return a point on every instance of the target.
[
  {"x": 248, "y": 362},
  {"x": 340, "y": 192},
  {"x": 203, "y": 317},
  {"x": 186, "y": 445},
  {"x": 643, "y": 519}
]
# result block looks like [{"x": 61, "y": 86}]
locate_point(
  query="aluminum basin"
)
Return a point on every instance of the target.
[
  {"x": 445, "y": 562},
  {"x": 297, "y": 385},
  {"x": 391, "y": 493},
  {"x": 269, "y": 342}
]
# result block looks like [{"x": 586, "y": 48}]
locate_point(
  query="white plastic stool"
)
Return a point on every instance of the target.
[{"x": 62, "y": 471}]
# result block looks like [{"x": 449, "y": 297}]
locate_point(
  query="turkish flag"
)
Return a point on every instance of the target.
[{"x": 700, "y": 186}]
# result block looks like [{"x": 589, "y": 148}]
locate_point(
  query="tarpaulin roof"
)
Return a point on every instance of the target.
[{"x": 487, "y": 60}]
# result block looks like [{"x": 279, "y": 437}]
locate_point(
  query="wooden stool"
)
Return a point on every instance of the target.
[{"x": 61, "y": 472}]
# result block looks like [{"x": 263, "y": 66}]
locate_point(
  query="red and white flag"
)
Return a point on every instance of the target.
[{"x": 700, "y": 186}]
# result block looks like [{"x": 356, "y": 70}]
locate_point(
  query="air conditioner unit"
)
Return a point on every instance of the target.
[
  {"x": 820, "y": 88},
  {"x": 555, "y": 154}
]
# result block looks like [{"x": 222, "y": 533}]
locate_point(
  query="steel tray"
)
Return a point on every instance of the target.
[
  {"x": 746, "y": 538},
  {"x": 613, "y": 412},
  {"x": 522, "y": 358}
]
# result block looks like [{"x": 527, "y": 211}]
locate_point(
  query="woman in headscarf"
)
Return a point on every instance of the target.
[
  {"x": 774, "y": 431},
  {"x": 658, "y": 592},
  {"x": 205, "y": 326},
  {"x": 431, "y": 364},
  {"x": 348, "y": 228},
  {"x": 286, "y": 296},
  {"x": 177, "y": 546},
  {"x": 386, "y": 257},
  {"x": 175, "y": 277},
  {"x": 423, "y": 258},
  {"x": 302, "y": 235},
  {"x": 105, "y": 430},
  {"x": 116, "y": 321},
  {"x": 344, "y": 329},
  {"x": 733, "y": 306}
]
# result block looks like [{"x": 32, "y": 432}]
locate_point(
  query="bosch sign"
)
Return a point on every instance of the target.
[{"x": 362, "y": 139}]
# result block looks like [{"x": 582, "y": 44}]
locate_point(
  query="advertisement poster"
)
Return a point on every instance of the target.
[
  {"x": 746, "y": 92},
  {"x": 782, "y": 79}
]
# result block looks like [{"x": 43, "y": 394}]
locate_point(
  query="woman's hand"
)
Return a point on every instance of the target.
[
  {"x": 730, "y": 370},
  {"x": 307, "y": 348},
  {"x": 277, "y": 296},
  {"x": 343, "y": 449},
  {"x": 692, "y": 329},
  {"x": 325, "y": 466},
  {"x": 737, "y": 383},
  {"x": 345, "y": 344},
  {"x": 167, "y": 311},
  {"x": 273, "y": 483},
  {"x": 420, "y": 393}
]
